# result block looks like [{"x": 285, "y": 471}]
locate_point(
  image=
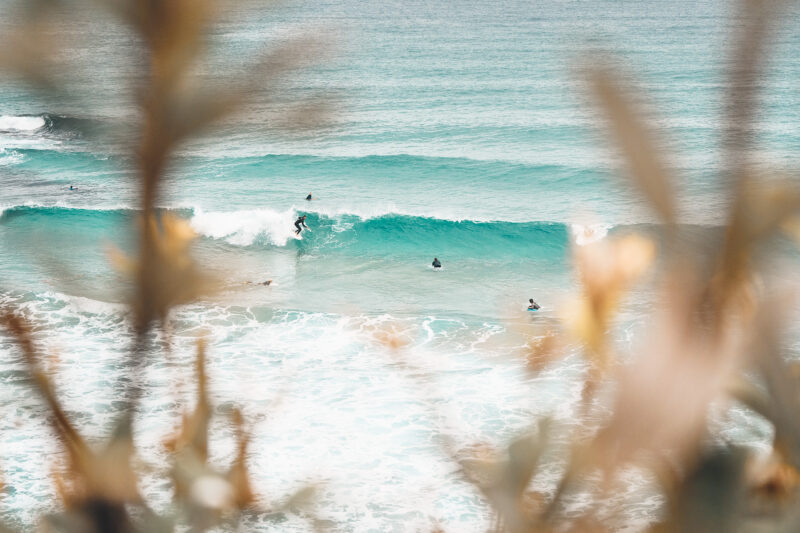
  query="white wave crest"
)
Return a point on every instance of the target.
[
  {"x": 585, "y": 234},
  {"x": 12, "y": 123},
  {"x": 242, "y": 228},
  {"x": 10, "y": 158}
]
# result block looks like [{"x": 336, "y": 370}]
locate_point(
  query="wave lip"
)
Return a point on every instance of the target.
[
  {"x": 243, "y": 228},
  {"x": 389, "y": 231},
  {"x": 21, "y": 123},
  {"x": 49, "y": 125},
  {"x": 387, "y": 235}
]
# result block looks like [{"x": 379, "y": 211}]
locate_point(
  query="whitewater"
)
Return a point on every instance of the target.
[{"x": 463, "y": 132}]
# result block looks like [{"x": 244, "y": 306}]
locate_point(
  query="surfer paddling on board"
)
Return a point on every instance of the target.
[
  {"x": 533, "y": 306},
  {"x": 298, "y": 222},
  {"x": 436, "y": 263}
]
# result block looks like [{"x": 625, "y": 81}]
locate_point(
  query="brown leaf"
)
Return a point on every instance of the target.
[
  {"x": 192, "y": 435},
  {"x": 238, "y": 475}
]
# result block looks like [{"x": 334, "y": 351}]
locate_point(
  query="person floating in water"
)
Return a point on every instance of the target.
[
  {"x": 73, "y": 188},
  {"x": 436, "y": 263},
  {"x": 298, "y": 222},
  {"x": 533, "y": 306},
  {"x": 308, "y": 197}
]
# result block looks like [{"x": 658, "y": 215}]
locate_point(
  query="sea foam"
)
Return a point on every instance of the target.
[
  {"x": 589, "y": 233},
  {"x": 243, "y": 228},
  {"x": 20, "y": 123}
]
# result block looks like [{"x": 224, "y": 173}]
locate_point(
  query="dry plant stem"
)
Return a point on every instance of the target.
[
  {"x": 64, "y": 429},
  {"x": 96, "y": 484},
  {"x": 732, "y": 269},
  {"x": 782, "y": 400},
  {"x": 636, "y": 141},
  {"x": 710, "y": 352},
  {"x": 747, "y": 60},
  {"x": 662, "y": 400},
  {"x": 169, "y": 51}
]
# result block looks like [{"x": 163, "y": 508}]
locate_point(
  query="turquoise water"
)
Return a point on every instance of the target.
[{"x": 462, "y": 132}]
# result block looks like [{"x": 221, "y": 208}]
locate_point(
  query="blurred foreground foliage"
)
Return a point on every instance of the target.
[{"x": 715, "y": 334}]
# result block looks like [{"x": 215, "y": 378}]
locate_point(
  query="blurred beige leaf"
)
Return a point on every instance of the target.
[
  {"x": 662, "y": 398},
  {"x": 761, "y": 211},
  {"x": 28, "y": 49},
  {"x": 504, "y": 481},
  {"x": 606, "y": 269}
]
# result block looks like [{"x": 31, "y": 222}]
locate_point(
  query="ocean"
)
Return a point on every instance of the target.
[{"x": 463, "y": 131}]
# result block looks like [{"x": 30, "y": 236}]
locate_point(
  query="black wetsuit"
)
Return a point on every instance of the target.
[
  {"x": 436, "y": 264},
  {"x": 297, "y": 223},
  {"x": 308, "y": 197}
]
